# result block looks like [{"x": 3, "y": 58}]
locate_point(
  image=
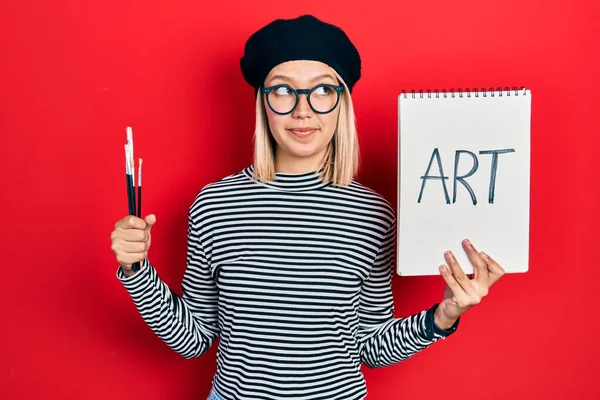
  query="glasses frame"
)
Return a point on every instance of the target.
[{"x": 307, "y": 92}]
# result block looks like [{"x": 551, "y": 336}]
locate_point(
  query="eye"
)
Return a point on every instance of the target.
[
  {"x": 282, "y": 91},
  {"x": 323, "y": 90}
]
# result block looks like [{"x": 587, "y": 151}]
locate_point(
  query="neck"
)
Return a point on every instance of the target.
[
  {"x": 292, "y": 182},
  {"x": 297, "y": 165}
]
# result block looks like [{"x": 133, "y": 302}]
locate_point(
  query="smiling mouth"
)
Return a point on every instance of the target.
[{"x": 302, "y": 132}]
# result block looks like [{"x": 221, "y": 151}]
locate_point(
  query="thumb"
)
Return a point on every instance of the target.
[{"x": 150, "y": 221}]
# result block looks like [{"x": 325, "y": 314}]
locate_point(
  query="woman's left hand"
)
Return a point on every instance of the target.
[{"x": 463, "y": 293}]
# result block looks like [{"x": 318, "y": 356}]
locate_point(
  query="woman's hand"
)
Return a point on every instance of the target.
[
  {"x": 131, "y": 240},
  {"x": 462, "y": 293}
]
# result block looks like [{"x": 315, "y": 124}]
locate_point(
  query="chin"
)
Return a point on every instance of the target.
[{"x": 300, "y": 153}]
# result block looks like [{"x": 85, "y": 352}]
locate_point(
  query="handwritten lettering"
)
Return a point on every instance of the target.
[{"x": 462, "y": 178}]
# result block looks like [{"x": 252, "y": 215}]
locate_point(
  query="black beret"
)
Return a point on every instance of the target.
[{"x": 302, "y": 38}]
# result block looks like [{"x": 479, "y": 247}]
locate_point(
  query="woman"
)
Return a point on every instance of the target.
[{"x": 290, "y": 260}]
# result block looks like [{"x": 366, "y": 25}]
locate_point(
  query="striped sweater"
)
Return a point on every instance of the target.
[{"x": 294, "y": 277}]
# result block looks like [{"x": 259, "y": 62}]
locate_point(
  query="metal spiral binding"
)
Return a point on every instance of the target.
[{"x": 484, "y": 92}]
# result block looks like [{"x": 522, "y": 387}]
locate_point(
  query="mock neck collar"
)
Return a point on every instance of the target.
[{"x": 292, "y": 182}]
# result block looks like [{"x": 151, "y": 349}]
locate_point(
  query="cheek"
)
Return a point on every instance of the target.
[
  {"x": 329, "y": 123},
  {"x": 277, "y": 123}
]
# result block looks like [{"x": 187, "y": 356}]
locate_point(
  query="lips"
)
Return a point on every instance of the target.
[{"x": 302, "y": 132}]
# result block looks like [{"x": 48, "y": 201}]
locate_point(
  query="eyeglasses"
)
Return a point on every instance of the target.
[{"x": 322, "y": 99}]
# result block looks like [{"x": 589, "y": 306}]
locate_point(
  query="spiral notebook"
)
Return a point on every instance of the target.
[{"x": 464, "y": 172}]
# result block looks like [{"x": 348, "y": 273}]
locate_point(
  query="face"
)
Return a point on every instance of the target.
[{"x": 298, "y": 151}]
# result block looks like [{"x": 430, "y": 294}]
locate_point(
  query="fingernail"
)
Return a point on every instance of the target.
[
  {"x": 467, "y": 242},
  {"x": 484, "y": 255}
]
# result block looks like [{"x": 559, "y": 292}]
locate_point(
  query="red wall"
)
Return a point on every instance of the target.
[{"x": 74, "y": 74}]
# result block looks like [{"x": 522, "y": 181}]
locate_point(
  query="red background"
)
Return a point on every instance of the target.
[{"x": 74, "y": 74}]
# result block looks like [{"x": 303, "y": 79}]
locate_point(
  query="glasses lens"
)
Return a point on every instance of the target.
[
  {"x": 324, "y": 98},
  {"x": 282, "y": 99}
]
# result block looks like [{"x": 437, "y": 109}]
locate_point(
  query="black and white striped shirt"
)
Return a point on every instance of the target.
[{"x": 294, "y": 275}]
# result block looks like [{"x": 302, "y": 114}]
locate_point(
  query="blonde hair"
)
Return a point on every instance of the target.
[{"x": 342, "y": 158}]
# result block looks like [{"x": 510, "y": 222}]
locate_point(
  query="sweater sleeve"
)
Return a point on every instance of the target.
[
  {"x": 187, "y": 323},
  {"x": 383, "y": 339}
]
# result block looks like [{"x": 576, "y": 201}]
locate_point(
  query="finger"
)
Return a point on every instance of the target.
[
  {"x": 461, "y": 278},
  {"x": 480, "y": 268},
  {"x": 131, "y": 235},
  {"x": 496, "y": 271},
  {"x": 150, "y": 221},
  {"x": 456, "y": 289},
  {"x": 123, "y": 246},
  {"x": 127, "y": 259},
  {"x": 131, "y": 222}
]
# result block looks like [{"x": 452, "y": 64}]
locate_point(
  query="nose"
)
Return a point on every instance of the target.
[{"x": 302, "y": 109}]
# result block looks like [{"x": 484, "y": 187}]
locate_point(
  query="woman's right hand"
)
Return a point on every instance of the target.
[{"x": 131, "y": 240}]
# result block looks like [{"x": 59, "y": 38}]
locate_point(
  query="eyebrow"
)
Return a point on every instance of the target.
[{"x": 316, "y": 78}]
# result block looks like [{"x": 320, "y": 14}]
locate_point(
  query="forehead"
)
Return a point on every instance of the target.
[{"x": 300, "y": 71}]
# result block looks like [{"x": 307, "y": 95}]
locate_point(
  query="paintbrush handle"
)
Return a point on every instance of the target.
[
  {"x": 139, "y": 204},
  {"x": 130, "y": 201}
]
